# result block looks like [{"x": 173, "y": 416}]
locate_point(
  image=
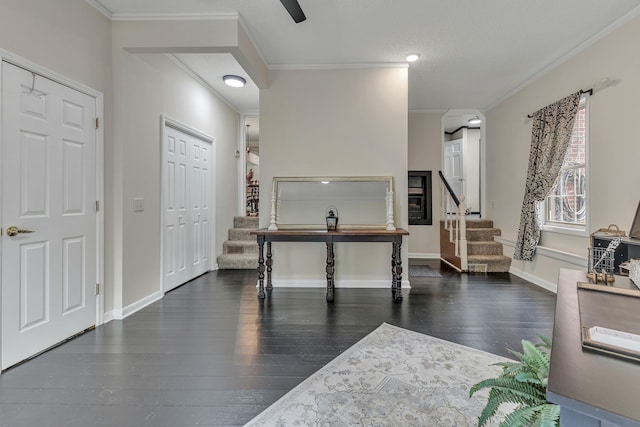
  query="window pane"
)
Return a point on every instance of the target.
[
  {"x": 576, "y": 151},
  {"x": 566, "y": 203},
  {"x": 567, "y": 200}
]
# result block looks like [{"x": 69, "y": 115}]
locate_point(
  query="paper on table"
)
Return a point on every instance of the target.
[{"x": 615, "y": 338}]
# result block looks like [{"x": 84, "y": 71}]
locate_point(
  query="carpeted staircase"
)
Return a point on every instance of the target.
[
  {"x": 240, "y": 252},
  {"x": 484, "y": 254}
]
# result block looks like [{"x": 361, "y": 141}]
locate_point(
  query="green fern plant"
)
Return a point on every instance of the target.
[{"x": 525, "y": 384}]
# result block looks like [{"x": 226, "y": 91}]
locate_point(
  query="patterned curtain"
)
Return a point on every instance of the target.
[{"x": 550, "y": 138}]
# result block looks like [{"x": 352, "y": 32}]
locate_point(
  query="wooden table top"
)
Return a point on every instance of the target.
[
  {"x": 606, "y": 383},
  {"x": 324, "y": 232}
]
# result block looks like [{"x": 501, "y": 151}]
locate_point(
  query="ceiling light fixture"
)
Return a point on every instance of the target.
[
  {"x": 475, "y": 121},
  {"x": 233, "y": 80},
  {"x": 412, "y": 57}
]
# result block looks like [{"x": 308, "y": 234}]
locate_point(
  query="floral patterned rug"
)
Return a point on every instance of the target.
[{"x": 392, "y": 377}]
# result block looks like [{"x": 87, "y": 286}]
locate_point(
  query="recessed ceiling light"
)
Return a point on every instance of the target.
[
  {"x": 411, "y": 57},
  {"x": 233, "y": 80},
  {"x": 475, "y": 121}
]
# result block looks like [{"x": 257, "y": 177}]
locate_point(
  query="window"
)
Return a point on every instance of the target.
[{"x": 566, "y": 204}]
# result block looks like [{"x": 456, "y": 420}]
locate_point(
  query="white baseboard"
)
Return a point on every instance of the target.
[
  {"x": 108, "y": 317},
  {"x": 127, "y": 311},
  {"x": 550, "y": 286},
  {"x": 424, "y": 256},
  {"x": 362, "y": 284},
  {"x": 558, "y": 255}
]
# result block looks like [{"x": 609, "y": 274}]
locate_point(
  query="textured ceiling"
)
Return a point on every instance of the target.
[{"x": 474, "y": 53}]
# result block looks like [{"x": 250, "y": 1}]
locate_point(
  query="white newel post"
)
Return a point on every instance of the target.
[
  {"x": 390, "y": 221},
  {"x": 272, "y": 221},
  {"x": 463, "y": 235}
]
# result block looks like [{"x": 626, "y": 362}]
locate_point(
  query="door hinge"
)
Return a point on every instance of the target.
[
  {"x": 97, "y": 288},
  {"x": 97, "y": 122},
  {"x": 97, "y": 205}
]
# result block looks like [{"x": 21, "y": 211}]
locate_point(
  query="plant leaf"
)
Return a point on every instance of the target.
[{"x": 524, "y": 383}]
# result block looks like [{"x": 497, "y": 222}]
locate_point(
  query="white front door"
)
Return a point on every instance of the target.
[
  {"x": 187, "y": 197},
  {"x": 453, "y": 165},
  {"x": 49, "y": 218}
]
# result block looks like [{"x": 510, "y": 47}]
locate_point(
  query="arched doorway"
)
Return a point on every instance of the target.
[{"x": 463, "y": 154}]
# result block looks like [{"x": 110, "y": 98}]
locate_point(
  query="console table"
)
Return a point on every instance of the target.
[
  {"x": 593, "y": 390},
  {"x": 329, "y": 238}
]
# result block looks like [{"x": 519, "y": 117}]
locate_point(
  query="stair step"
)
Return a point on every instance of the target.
[
  {"x": 482, "y": 234},
  {"x": 479, "y": 223},
  {"x": 239, "y": 247},
  {"x": 252, "y": 222},
  {"x": 238, "y": 262},
  {"x": 484, "y": 248},
  {"x": 242, "y": 234},
  {"x": 488, "y": 263},
  {"x": 475, "y": 223}
]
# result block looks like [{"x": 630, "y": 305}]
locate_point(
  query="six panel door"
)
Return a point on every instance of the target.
[
  {"x": 49, "y": 252},
  {"x": 186, "y": 228}
]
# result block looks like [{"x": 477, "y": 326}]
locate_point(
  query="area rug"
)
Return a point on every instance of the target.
[
  {"x": 422, "y": 271},
  {"x": 392, "y": 377}
]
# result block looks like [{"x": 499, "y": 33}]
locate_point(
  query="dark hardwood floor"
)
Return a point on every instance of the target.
[{"x": 211, "y": 354}]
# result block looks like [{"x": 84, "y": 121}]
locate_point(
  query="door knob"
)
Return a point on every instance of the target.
[{"x": 13, "y": 231}]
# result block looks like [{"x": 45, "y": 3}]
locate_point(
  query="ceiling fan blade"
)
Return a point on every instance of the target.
[{"x": 294, "y": 9}]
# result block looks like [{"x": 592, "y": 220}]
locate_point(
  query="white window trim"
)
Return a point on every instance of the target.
[
  {"x": 578, "y": 230},
  {"x": 574, "y": 229}
]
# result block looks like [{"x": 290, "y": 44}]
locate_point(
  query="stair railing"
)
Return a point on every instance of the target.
[{"x": 454, "y": 216}]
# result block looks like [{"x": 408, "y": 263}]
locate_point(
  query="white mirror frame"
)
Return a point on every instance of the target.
[{"x": 388, "y": 225}]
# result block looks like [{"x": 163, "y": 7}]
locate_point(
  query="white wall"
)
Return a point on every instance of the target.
[
  {"x": 72, "y": 39},
  {"x": 425, "y": 153},
  {"x": 67, "y": 36},
  {"x": 334, "y": 123},
  {"x": 614, "y": 150},
  {"x": 147, "y": 86}
]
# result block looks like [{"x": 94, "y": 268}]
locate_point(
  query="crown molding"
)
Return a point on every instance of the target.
[
  {"x": 202, "y": 82},
  {"x": 100, "y": 8},
  {"x": 172, "y": 16},
  {"x": 353, "y": 66},
  {"x": 573, "y": 52},
  {"x": 160, "y": 16},
  {"x": 243, "y": 25},
  {"x": 443, "y": 111}
]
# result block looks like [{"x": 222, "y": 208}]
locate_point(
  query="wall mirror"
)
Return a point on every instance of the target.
[{"x": 302, "y": 202}]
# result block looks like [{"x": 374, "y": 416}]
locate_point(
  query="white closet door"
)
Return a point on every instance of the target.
[
  {"x": 200, "y": 196},
  {"x": 187, "y": 198},
  {"x": 175, "y": 239}
]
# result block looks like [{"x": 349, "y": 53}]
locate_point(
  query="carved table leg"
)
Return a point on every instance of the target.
[
  {"x": 394, "y": 277},
  {"x": 397, "y": 296},
  {"x": 261, "y": 267},
  {"x": 269, "y": 264},
  {"x": 330, "y": 271}
]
